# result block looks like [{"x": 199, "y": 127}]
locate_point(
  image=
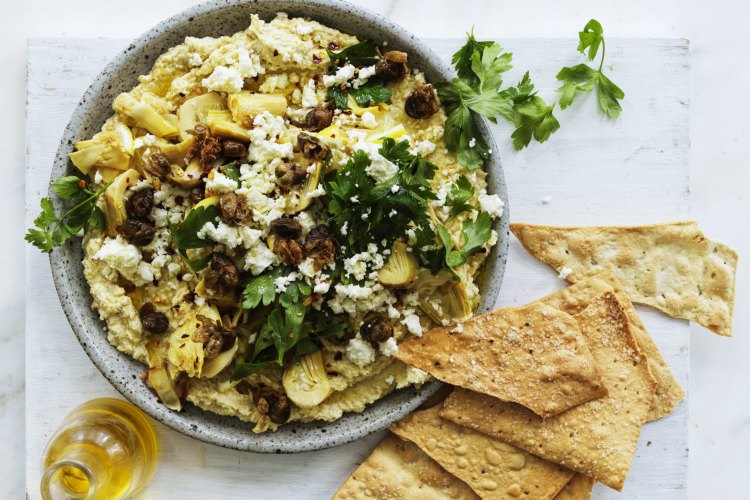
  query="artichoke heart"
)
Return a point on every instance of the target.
[
  {"x": 161, "y": 382},
  {"x": 183, "y": 353},
  {"x": 306, "y": 382},
  {"x": 245, "y": 106},
  {"x": 299, "y": 201},
  {"x": 195, "y": 110},
  {"x": 400, "y": 270},
  {"x": 110, "y": 149},
  {"x": 144, "y": 115},
  {"x": 188, "y": 177},
  {"x": 214, "y": 366},
  {"x": 449, "y": 303},
  {"x": 221, "y": 124},
  {"x": 114, "y": 200}
]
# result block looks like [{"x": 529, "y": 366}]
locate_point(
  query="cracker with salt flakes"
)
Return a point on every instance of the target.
[
  {"x": 398, "y": 469},
  {"x": 673, "y": 267},
  {"x": 575, "y": 298},
  {"x": 492, "y": 468},
  {"x": 597, "y": 438},
  {"x": 578, "y": 488},
  {"x": 533, "y": 355}
]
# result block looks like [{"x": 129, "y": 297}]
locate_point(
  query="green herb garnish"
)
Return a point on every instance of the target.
[
  {"x": 475, "y": 234},
  {"x": 583, "y": 78},
  {"x": 360, "y": 54},
  {"x": 461, "y": 193},
  {"x": 51, "y": 230}
]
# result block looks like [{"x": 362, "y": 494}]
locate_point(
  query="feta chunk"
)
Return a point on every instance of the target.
[
  {"x": 492, "y": 204},
  {"x": 369, "y": 120},
  {"x": 389, "y": 347},
  {"x": 224, "y": 79},
  {"x": 220, "y": 183},
  {"x": 360, "y": 352},
  {"x": 342, "y": 75},
  {"x": 411, "y": 321}
]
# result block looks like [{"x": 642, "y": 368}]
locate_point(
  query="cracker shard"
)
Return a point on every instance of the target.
[
  {"x": 399, "y": 469},
  {"x": 577, "y": 297},
  {"x": 597, "y": 438},
  {"x": 492, "y": 468},
  {"x": 533, "y": 355},
  {"x": 578, "y": 488},
  {"x": 672, "y": 267}
]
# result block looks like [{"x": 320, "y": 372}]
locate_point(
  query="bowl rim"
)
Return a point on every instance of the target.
[{"x": 188, "y": 422}]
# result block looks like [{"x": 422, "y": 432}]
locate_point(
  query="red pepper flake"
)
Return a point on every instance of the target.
[
  {"x": 82, "y": 184},
  {"x": 316, "y": 59},
  {"x": 333, "y": 46}
]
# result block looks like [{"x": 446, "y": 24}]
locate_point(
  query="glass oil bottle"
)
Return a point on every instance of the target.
[{"x": 104, "y": 449}]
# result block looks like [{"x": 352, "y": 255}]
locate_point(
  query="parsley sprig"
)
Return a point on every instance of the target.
[
  {"x": 185, "y": 234},
  {"x": 51, "y": 230},
  {"x": 291, "y": 329},
  {"x": 363, "y": 211},
  {"x": 583, "y": 78},
  {"x": 477, "y": 90}
]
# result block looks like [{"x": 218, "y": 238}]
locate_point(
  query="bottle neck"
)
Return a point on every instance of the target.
[{"x": 76, "y": 475}]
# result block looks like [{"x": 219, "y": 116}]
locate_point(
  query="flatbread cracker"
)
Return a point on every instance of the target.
[
  {"x": 492, "y": 468},
  {"x": 597, "y": 438},
  {"x": 576, "y": 297},
  {"x": 399, "y": 469},
  {"x": 534, "y": 355},
  {"x": 672, "y": 267},
  {"x": 578, "y": 488}
]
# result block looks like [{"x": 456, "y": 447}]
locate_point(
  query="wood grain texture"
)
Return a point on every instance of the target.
[{"x": 594, "y": 170}]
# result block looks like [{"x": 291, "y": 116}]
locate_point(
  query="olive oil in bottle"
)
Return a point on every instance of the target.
[{"x": 104, "y": 449}]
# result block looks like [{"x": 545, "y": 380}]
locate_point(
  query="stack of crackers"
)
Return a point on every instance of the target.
[{"x": 549, "y": 398}]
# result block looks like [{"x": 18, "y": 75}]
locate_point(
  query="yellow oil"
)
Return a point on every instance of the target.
[{"x": 104, "y": 449}]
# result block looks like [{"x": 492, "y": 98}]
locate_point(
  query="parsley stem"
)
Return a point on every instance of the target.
[{"x": 604, "y": 49}]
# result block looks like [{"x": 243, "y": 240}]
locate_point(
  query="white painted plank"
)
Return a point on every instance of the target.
[{"x": 596, "y": 171}]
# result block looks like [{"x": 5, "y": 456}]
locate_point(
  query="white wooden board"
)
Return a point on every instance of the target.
[{"x": 594, "y": 170}]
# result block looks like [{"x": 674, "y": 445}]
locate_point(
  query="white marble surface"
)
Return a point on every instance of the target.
[{"x": 720, "y": 180}]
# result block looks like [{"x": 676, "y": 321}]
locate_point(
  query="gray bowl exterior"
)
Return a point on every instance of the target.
[{"x": 225, "y": 17}]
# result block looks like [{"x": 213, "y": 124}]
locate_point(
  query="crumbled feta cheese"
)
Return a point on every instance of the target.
[
  {"x": 282, "y": 282},
  {"x": 369, "y": 120},
  {"x": 379, "y": 168},
  {"x": 492, "y": 204},
  {"x": 423, "y": 148},
  {"x": 306, "y": 222},
  {"x": 363, "y": 75},
  {"x": 98, "y": 177},
  {"x": 307, "y": 267},
  {"x": 304, "y": 29},
  {"x": 149, "y": 140},
  {"x": 125, "y": 258},
  {"x": 309, "y": 95},
  {"x": 199, "y": 300},
  {"x": 220, "y": 183},
  {"x": 224, "y": 79},
  {"x": 411, "y": 321},
  {"x": 354, "y": 199},
  {"x": 342, "y": 75},
  {"x": 230, "y": 236},
  {"x": 458, "y": 328},
  {"x": 258, "y": 258},
  {"x": 564, "y": 273},
  {"x": 394, "y": 189},
  {"x": 322, "y": 287},
  {"x": 472, "y": 142},
  {"x": 273, "y": 82},
  {"x": 389, "y": 347},
  {"x": 195, "y": 60},
  {"x": 393, "y": 313},
  {"x": 249, "y": 64},
  {"x": 360, "y": 352},
  {"x": 344, "y": 228}
]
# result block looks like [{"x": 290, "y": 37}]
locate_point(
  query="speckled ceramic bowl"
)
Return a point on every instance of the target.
[{"x": 215, "y": 18}]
